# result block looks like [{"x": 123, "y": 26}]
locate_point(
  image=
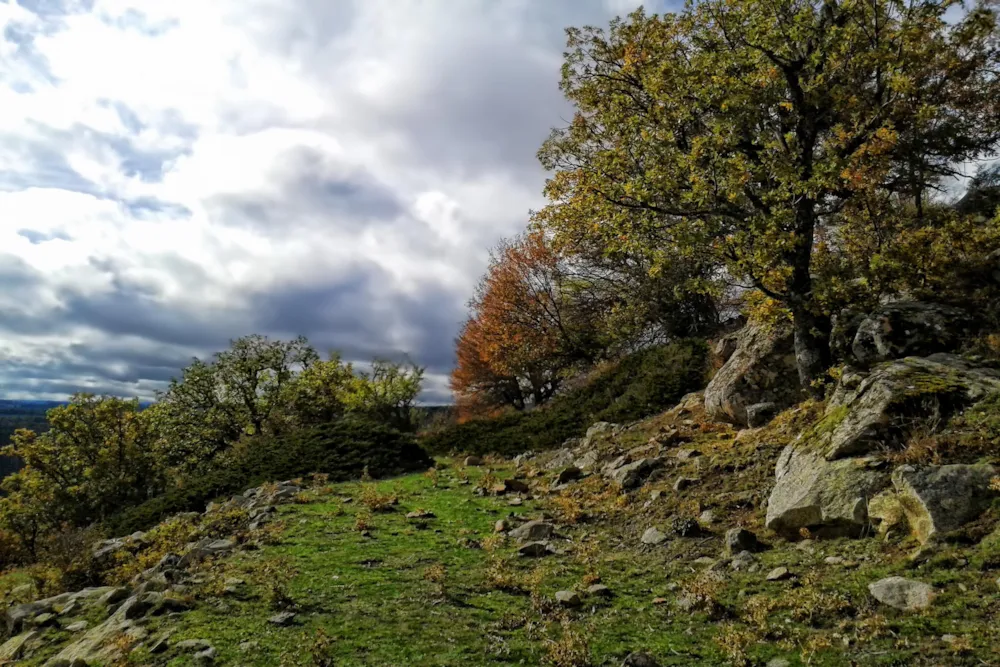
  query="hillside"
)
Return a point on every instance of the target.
[{"x": 664, "y": 541}]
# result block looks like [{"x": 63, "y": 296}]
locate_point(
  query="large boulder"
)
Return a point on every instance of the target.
[
  {"x": 762, "y": 369},
  {"x": 940, "y": 499},
  {"x": 868, "y": 412},
  {"x": 909, "y": 328},
  {"x": 829, "y": 498}
]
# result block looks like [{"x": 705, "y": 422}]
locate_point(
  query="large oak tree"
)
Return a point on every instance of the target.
[{"x": 742, "y": 131}]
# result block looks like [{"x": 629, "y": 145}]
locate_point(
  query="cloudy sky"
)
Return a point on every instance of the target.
[{"x": 174, "y": 174}]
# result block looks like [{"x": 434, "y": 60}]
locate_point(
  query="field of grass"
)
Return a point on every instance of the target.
[{"x": 377, "y": 588}]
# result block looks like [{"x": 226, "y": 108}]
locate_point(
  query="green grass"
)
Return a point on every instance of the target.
[{"x": 370, "y": 597}]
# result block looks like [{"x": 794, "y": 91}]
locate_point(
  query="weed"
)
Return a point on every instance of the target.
[
  {"x": 432, "y": 476},
  {"x": 734, "y": 642},
  {"x": 363, "y": 522},
  {"x": 568, "y": 649},
  {"x": 321, "y": 649},
  {"x": 437, "y": 575},
  {"x": 375, "y": 501}
]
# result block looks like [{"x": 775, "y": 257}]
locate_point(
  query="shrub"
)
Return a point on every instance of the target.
[
  {"x": 339, "y": 449},
  {"x": 639, "y": 385}
]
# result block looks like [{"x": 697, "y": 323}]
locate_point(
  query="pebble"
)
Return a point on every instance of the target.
[{"x": 778, "y": 574}]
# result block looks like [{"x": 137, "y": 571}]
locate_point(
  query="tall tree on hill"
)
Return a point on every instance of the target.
[
  {"x": 526, "y": 328},
  {"x": 741, "y": 131}
]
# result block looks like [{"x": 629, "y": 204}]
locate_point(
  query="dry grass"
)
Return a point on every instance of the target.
[
  {"x": 569, "y": 648},
  {"x": 376, "y": 501}
]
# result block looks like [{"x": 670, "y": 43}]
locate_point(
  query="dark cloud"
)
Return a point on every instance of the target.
[{"x": 309, "y": 189}]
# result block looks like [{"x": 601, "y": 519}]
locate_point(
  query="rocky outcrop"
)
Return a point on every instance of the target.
[
  {"x": 828, "y": 498},
  {"x": 762, "y": 369},
  {"x": 909, "y": 328},
  {"x": 871, "y": 411},
  {"x": 940, "y": 499}
]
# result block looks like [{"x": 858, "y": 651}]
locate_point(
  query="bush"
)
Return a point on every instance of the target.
[
  {"x": 640, "y": 385},
  {"x": 340, "y": 449}
]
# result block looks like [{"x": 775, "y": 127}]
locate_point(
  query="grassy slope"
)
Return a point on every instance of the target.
[{"x": 372, "y": 599}]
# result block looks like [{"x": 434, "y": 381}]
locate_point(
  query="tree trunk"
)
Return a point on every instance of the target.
[{"x": 812, "y": 348}]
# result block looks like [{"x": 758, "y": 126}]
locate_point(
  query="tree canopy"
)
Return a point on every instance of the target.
[{"x": 747, "y": 133}]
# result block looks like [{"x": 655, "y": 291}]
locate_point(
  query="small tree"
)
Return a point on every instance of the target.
[
  {"x": 528, "y": 325},
  {"x": 744, "y": 131},
  {"x": 241, "y": 391},
  {"x": 97, "y": 457}
]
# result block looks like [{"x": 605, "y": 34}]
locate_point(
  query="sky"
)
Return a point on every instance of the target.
[{"x": 177, "y": 174}]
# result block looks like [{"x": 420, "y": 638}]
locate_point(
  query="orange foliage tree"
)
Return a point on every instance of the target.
[{"x": 527, "y": 327}]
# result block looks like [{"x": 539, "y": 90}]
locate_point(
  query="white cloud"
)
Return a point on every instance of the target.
[{"x": 173, "y": 174}]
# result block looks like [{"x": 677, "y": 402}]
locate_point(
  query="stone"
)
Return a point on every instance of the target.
[
  {"x": 535, "y": 549},
  {"x": 686, "y": 454},
  {"x": 762, "y": 369},
  {"x": 13, "y": 648},
  {"x": 632, "y": 475},
  {"x": 106, "y": 643},
  {"x": 473, "y": 461},
  {"x": 160, "y": 644},
  {"x": 599, "y": 431},
  {"x": 707, "y": 517},
  {"x": 79, "y": 626},
  {"x": 904, "y": 594},
  {"x": 207, "y": 656},
  {"x": 570, "y": 474},
  {"x": 740, "y": 539},
  {"x": 833, "y": 560},
  {"x": 867, "y": 413},
  {"x": 640, "y": 660},
  {"x": 560, "y": 459},
  {"x": 500, "y": 526},
  {"x": 682, "y": 483},
  {"x": 759, "y": 414},
  {"x": 114, "y": 596},
  {"x": 779, "y": 574},
  {"x": 534, "y": 531},
  {"x": 829, "y": 498},
  {"x": 653, "y": 536},
  {"x": 420, "y": 514},
  {"x": 282, "y": 619},
  {"x": 192, "y": 645},
  {"x": 909, "y": 328},
  {"x": 44, "y": 620},
  {"x": 516, "y": 486},
  {"x": 22, "y": 592},
  {"x": 599, "y": 590},
  {"x": 704, "y": 561},
  {"x": 778, "y": 662},
  {"x": 684, "y": 527},
  {"x": 744, "y": 560},
  {"x": 887, "y": 512},
  {"x": 940, "y": 499},
  {"x": 568, "y": 598}
]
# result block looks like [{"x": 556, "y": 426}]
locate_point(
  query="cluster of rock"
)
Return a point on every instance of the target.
[
  {"x": 163, "y": 589},
  {"x": 901, "y": 374}
]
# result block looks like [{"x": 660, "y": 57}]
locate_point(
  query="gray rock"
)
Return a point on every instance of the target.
[
  {"x": 207, "y": 656},
  {"x": 762, "y": 369},
  {"x": 653, "y": 536},
  {"x": 867, "y": 413},
  {"x": 682, "y": 483},
  {"x": 640, "y": 660},
  {"x": 114, "y": 596},
  {"x": 632, "y": 475},
  {"x": 904, "y": 594},
  {"x": 14, "y": 647},
  {"x": 536, "y": 549},
  {"x": 192, "y": 645},
  {"x": 743, "y": 560},
  {"x": 740, "y": 539},
  {"x": 599, "y": 590},
  {"x": 570, "y": 474},
  {"x": 778, "y": 662},
  {"x": 473, "y": 461},
  {"x": 759, "y": 414},
  {"x": 909, "y": 328},
  {"x": 282, "y": 619},
  {"x": 707, "y": 517},
  {"x": 516, "y": 486},
  {"x": 79, "y": 626},
  {"x": 568, "y": 598},
  {"x": 829, "y": 498},
  {"x": 779, "y": 574},
  {"x": 940, "y": 499},
  {"x": 534, "y": 531},
  {"x": 160, "y": 644}
]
